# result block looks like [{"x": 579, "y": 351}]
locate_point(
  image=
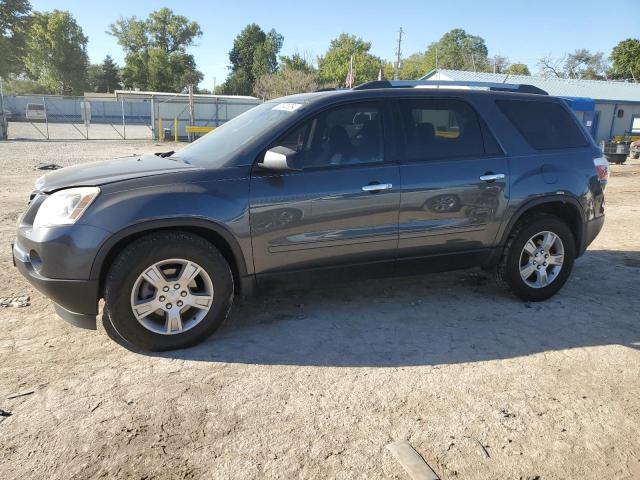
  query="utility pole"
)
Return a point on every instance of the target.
[{"x": 396, "y": 70}]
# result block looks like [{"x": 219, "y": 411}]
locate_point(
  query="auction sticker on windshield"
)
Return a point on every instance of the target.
[{"x": 287, "y": 107}]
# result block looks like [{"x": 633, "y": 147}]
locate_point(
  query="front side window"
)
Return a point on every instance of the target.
[
  {"x": 440, "y": 128},
  {"x": 345, "y": 135},
  {"x": 217, "y": 147}
]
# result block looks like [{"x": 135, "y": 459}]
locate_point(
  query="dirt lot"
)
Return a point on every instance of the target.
[{"x": 316, "y": 384}]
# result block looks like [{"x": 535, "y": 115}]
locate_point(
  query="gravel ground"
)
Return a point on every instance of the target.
[{"x": 315, "y": 384}]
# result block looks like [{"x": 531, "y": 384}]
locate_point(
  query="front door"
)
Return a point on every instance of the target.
[
  {"x": 454, "y": 180},
  {"x": 341, "y": 207}
]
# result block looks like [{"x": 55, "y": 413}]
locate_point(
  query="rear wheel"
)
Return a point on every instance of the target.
[
  {"x": 168, "y": 290},
  {"x": 538, "y": 258}
]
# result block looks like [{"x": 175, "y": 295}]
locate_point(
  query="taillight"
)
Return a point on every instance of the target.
[{"x": 602, "y": 169}]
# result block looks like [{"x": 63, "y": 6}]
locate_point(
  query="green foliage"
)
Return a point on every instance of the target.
[
  {"x": 626, "y": 59},
  {"x": 517, "y": 69},
  {"x": 288, "y": 81},
  {"x": 56, "y": 52},
  {"x": 18, "y": 85},
  {"x": 333, "y": 66},
  {"x": 583, "y": 64},
  {"x": 297, "y": 62},
  {"x": 14, "y": 18},
  {"x": 458, "y": 50},
  {"x": 416, "y": 66},
  {"x": 156, "y": 51},
  {"x": 254, "y": 54},
  {"x": 105, "y": 77}
]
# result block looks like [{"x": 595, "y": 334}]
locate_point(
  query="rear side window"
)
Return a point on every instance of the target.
[
  {"x": 440, "y": 128},
  {"x": 544, "y": 125}
]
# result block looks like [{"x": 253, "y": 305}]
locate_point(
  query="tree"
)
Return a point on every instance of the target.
[
  {"x": 458, "y": 50},
  {"x": 105, "y": 77},
  {"x": 581, "y": 64},
  {"x": 416, "y": 66},
  {"x": 517, "y": 69},
  {"x": 297, "y": 62},
  {"x": 499, "y": 64},
  {"x": 288, "y": 81},
  {"x": 56, "y": 52},
  {"x": 156, "y": 51},
  {"x": 333, "y": 66},
  {"x": 14, "y": 17},
  {"x": 551, "y": 67},
  {"x": 626, "y": 59},
  {"x": 254, "y": 54}
]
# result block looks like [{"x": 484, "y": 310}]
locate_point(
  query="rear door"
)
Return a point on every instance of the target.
[
  {"x": 454, "y": 179},
  {"x": 341, "y": 207}
]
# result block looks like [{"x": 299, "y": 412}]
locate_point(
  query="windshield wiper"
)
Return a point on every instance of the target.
[{"x": 165, "y": 154}]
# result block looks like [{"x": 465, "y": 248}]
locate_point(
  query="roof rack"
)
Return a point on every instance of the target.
[{"x": 499, "y": 87}]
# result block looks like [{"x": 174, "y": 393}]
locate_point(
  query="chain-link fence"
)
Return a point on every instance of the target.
[
  {"x": 126, "y": 115},
  {"x": 74, "y": 118},
  {"x": 178, "y": 119}
]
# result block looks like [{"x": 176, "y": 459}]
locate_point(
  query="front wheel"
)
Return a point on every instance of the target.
[
  {"x": 168, "y": 290},
  {"x": 538, "y": 258}
]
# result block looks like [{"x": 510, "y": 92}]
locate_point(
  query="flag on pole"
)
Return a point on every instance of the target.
[{"x": 351, "y": 74}]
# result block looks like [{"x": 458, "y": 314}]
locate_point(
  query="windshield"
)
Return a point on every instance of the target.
[{"x": 217, "y": 147}]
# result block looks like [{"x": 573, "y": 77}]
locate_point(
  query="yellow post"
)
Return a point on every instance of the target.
[
  {"x": 160, "y": 129},
  {"x": 175, "y": 129}
]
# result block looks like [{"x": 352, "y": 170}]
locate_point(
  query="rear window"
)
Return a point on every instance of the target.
[{"x": 544, "y": 125}]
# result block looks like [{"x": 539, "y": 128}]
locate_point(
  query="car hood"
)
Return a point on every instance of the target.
[{"x": 101, "y": 173}]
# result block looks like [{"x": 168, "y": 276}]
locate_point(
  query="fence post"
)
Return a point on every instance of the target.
[
  {"x": 46, "y": 116},
  {"x": 175, "y": 129},
  {"x": 86, "y": 122},
  {"x": 124, "y": 125},
  {"x": 153, "y": 119}
]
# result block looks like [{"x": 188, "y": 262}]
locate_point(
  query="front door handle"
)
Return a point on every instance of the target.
[
  {"x": 374, "y": 187},
  {"x": 492, "y": 177}
]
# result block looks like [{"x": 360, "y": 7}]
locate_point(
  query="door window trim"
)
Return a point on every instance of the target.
[{"x": 387, "y": 147}]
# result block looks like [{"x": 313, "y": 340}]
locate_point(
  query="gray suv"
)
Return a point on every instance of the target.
[{"x": 386, "y": 178}]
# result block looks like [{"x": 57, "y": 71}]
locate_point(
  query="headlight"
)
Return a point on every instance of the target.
[{"x": 65, "y": 206}]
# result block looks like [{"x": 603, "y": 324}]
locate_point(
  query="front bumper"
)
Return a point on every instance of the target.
[{"x": 75, "y": 300}]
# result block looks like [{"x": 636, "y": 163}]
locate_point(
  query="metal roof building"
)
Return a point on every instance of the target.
[{"x": 614, "y": 110}]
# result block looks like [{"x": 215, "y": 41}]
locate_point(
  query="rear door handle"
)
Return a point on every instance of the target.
[
  {"x": 374, "y": 187},
  {"x": 492, "y": 177}
]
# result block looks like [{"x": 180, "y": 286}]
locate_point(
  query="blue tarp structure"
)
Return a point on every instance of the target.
[
  {"x": 580, "y": 104},
  {"x": 585, "y": 110}
]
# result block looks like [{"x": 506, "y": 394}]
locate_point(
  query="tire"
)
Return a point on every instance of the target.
[
  {"x": 508, "y": 271},
  {"x": 176, "y": 255}
]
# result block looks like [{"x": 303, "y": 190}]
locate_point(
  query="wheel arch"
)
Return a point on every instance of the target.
[
  {"x": 565, "y": 207},
  {"x": 211, "y": 231}
]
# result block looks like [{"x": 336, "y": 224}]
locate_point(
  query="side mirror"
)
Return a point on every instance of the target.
[{"x": 280, "y": 158}]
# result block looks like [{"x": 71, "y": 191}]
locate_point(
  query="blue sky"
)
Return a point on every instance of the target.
[{"x": 520, "y": 30}]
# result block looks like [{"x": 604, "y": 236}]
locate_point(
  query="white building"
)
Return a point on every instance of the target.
[{"x": 606, "y": 108}]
